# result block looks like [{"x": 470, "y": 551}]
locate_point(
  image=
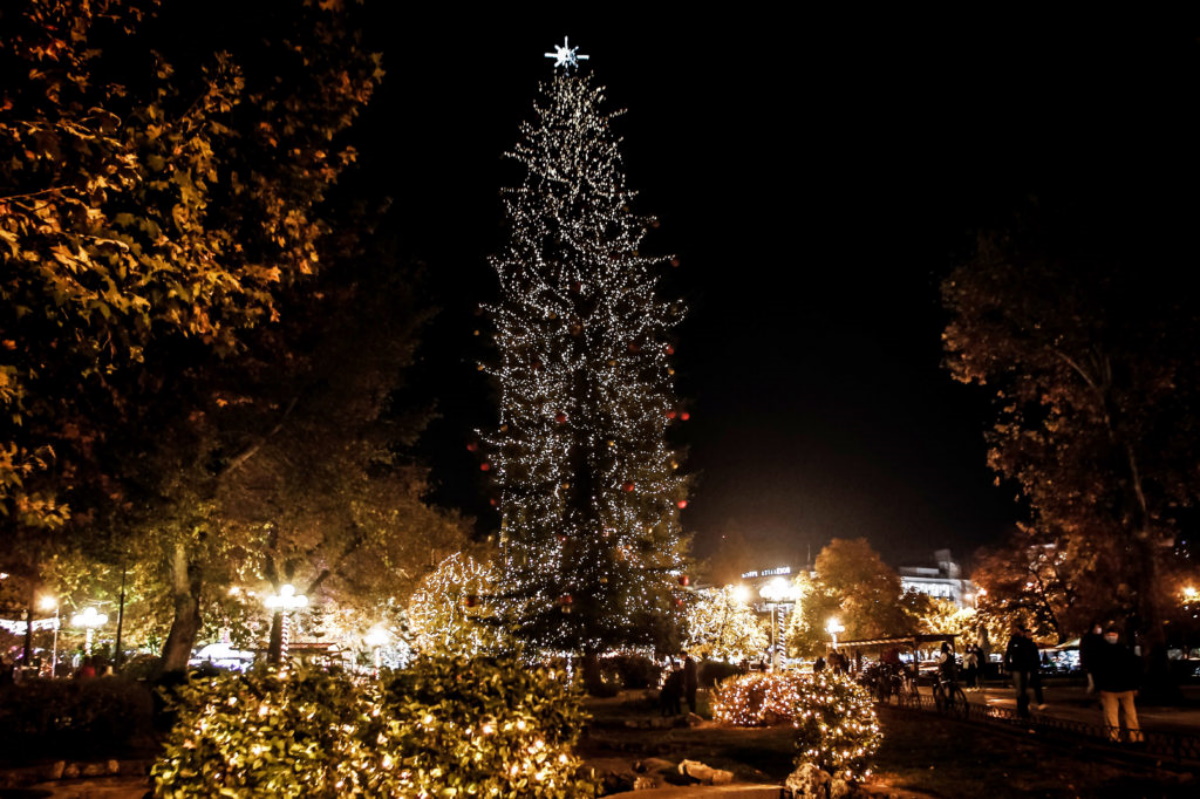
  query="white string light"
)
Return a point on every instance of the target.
[{"x": 589, "y": 492}]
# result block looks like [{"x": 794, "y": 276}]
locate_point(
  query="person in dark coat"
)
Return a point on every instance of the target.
[
  {"x": 971, "y": 666},
  {"x": 1089, "y": 645},
  {"x": 691, "y": 680},
  {"x": 671, "y": 694},
  {"x": 1117, "y": 672},
  {"x": 818, "y": 665},
  {"x": 1022, "y": 662}
]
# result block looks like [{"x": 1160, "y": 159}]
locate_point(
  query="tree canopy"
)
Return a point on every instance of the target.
[
  {"x": 855, "y": 586},
  {"x": 1079, "y": 327},
  {"x": 198, "y": 364}
]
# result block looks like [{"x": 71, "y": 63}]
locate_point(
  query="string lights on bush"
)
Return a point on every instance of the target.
[{"x": 836, "y": 726}]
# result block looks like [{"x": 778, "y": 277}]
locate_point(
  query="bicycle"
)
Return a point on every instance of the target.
[
  {"x": 948, "y": 696},
  {"x": 886, "y": 681}
]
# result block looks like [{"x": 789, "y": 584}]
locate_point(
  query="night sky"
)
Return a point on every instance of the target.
[{"x": 817, "y": 178}]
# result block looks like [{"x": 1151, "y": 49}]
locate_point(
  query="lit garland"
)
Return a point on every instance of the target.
[
  {"x": 836, "y": 725},
  {"x": 589, "y": 492}
]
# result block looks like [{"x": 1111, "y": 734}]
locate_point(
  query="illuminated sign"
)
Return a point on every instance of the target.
[{"x": 767, "y": 573}]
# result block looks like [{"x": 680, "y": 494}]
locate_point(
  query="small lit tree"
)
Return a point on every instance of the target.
[
  {"x": 450, "y": 613},
  {"x": 722, "y": 628},
  {"x": 837, "y": 728}
]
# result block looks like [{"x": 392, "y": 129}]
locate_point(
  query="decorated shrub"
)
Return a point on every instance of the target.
[
  {"x": 757, "y": 699},
  {"x": 487, "y": 727},
  {"x": 836, "y": 727},
  {"x": 445, "y": 727},
  {"x": 310, "y": 734}
]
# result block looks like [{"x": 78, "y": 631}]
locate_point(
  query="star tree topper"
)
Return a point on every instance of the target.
[{"x": 566, "y": 56}]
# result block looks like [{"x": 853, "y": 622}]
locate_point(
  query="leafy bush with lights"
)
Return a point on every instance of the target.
[
  {"x": 445, "y": 727},
  {"x": 836, "y": 727},
  {"x": 758, "y": 699},
  {"x": 259, "y": 734},
  {"x": 487, "y": 727}
]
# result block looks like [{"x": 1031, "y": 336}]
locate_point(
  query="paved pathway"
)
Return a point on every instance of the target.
[{"x": 1070, "y": 702}]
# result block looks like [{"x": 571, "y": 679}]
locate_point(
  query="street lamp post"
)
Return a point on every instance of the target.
[
  {"x": 833, "y": 627},
  {"x": 375, "y": 639},
  {"x": 50, "y": 603},
  {"x": 283, "y": 604},
  {"x": 90, "y": 619},
  {"x": 779, "y": 594}
]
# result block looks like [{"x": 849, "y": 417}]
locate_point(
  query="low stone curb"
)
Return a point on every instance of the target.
[{"x": 69, "y": 779}]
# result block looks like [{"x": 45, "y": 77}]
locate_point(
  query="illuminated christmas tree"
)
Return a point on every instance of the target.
[{"x": 589, "y": 492}]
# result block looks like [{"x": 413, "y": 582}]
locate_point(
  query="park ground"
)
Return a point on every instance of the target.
[{"x": 923, "y": 755}]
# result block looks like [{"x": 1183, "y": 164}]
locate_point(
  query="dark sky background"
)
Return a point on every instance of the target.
[{"x": 817, "y": 177}]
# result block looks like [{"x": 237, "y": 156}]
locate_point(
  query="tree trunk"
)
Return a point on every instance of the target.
[
  {"x": 275, "y": 648},
  {"x": 27, "y": 655},
  {"x": 186, "y": 585},
  {"x": 1147, "y": 544},
  {"x": 1159, "y": 683},
  {"x": 591, "y": 673}
]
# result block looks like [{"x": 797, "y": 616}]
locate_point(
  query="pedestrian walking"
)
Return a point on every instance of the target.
[
  {"x": 1022, "y": 662},
  {"x": 1117, "y": 673}
]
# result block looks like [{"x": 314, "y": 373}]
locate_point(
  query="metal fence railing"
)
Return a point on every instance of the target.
[{"x": 1176, "y": 747}]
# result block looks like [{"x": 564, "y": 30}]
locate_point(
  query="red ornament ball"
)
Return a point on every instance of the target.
[
  {"x": 685, "y": 416},
  {"x": 682, "y": 504},
  {"x": 684, "y": 580},
  {"x": 629, "y": 486},
  {"x": 560, "y": 417},
  {"x": 485, "y": 467},
  {"x": 671, "y": 414},
  {"x": 472, "y": 447},
  {"x": 674, "y": 262},
  {"x": 566, "y": 599},
  {"x": 670, "y": 350}
]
